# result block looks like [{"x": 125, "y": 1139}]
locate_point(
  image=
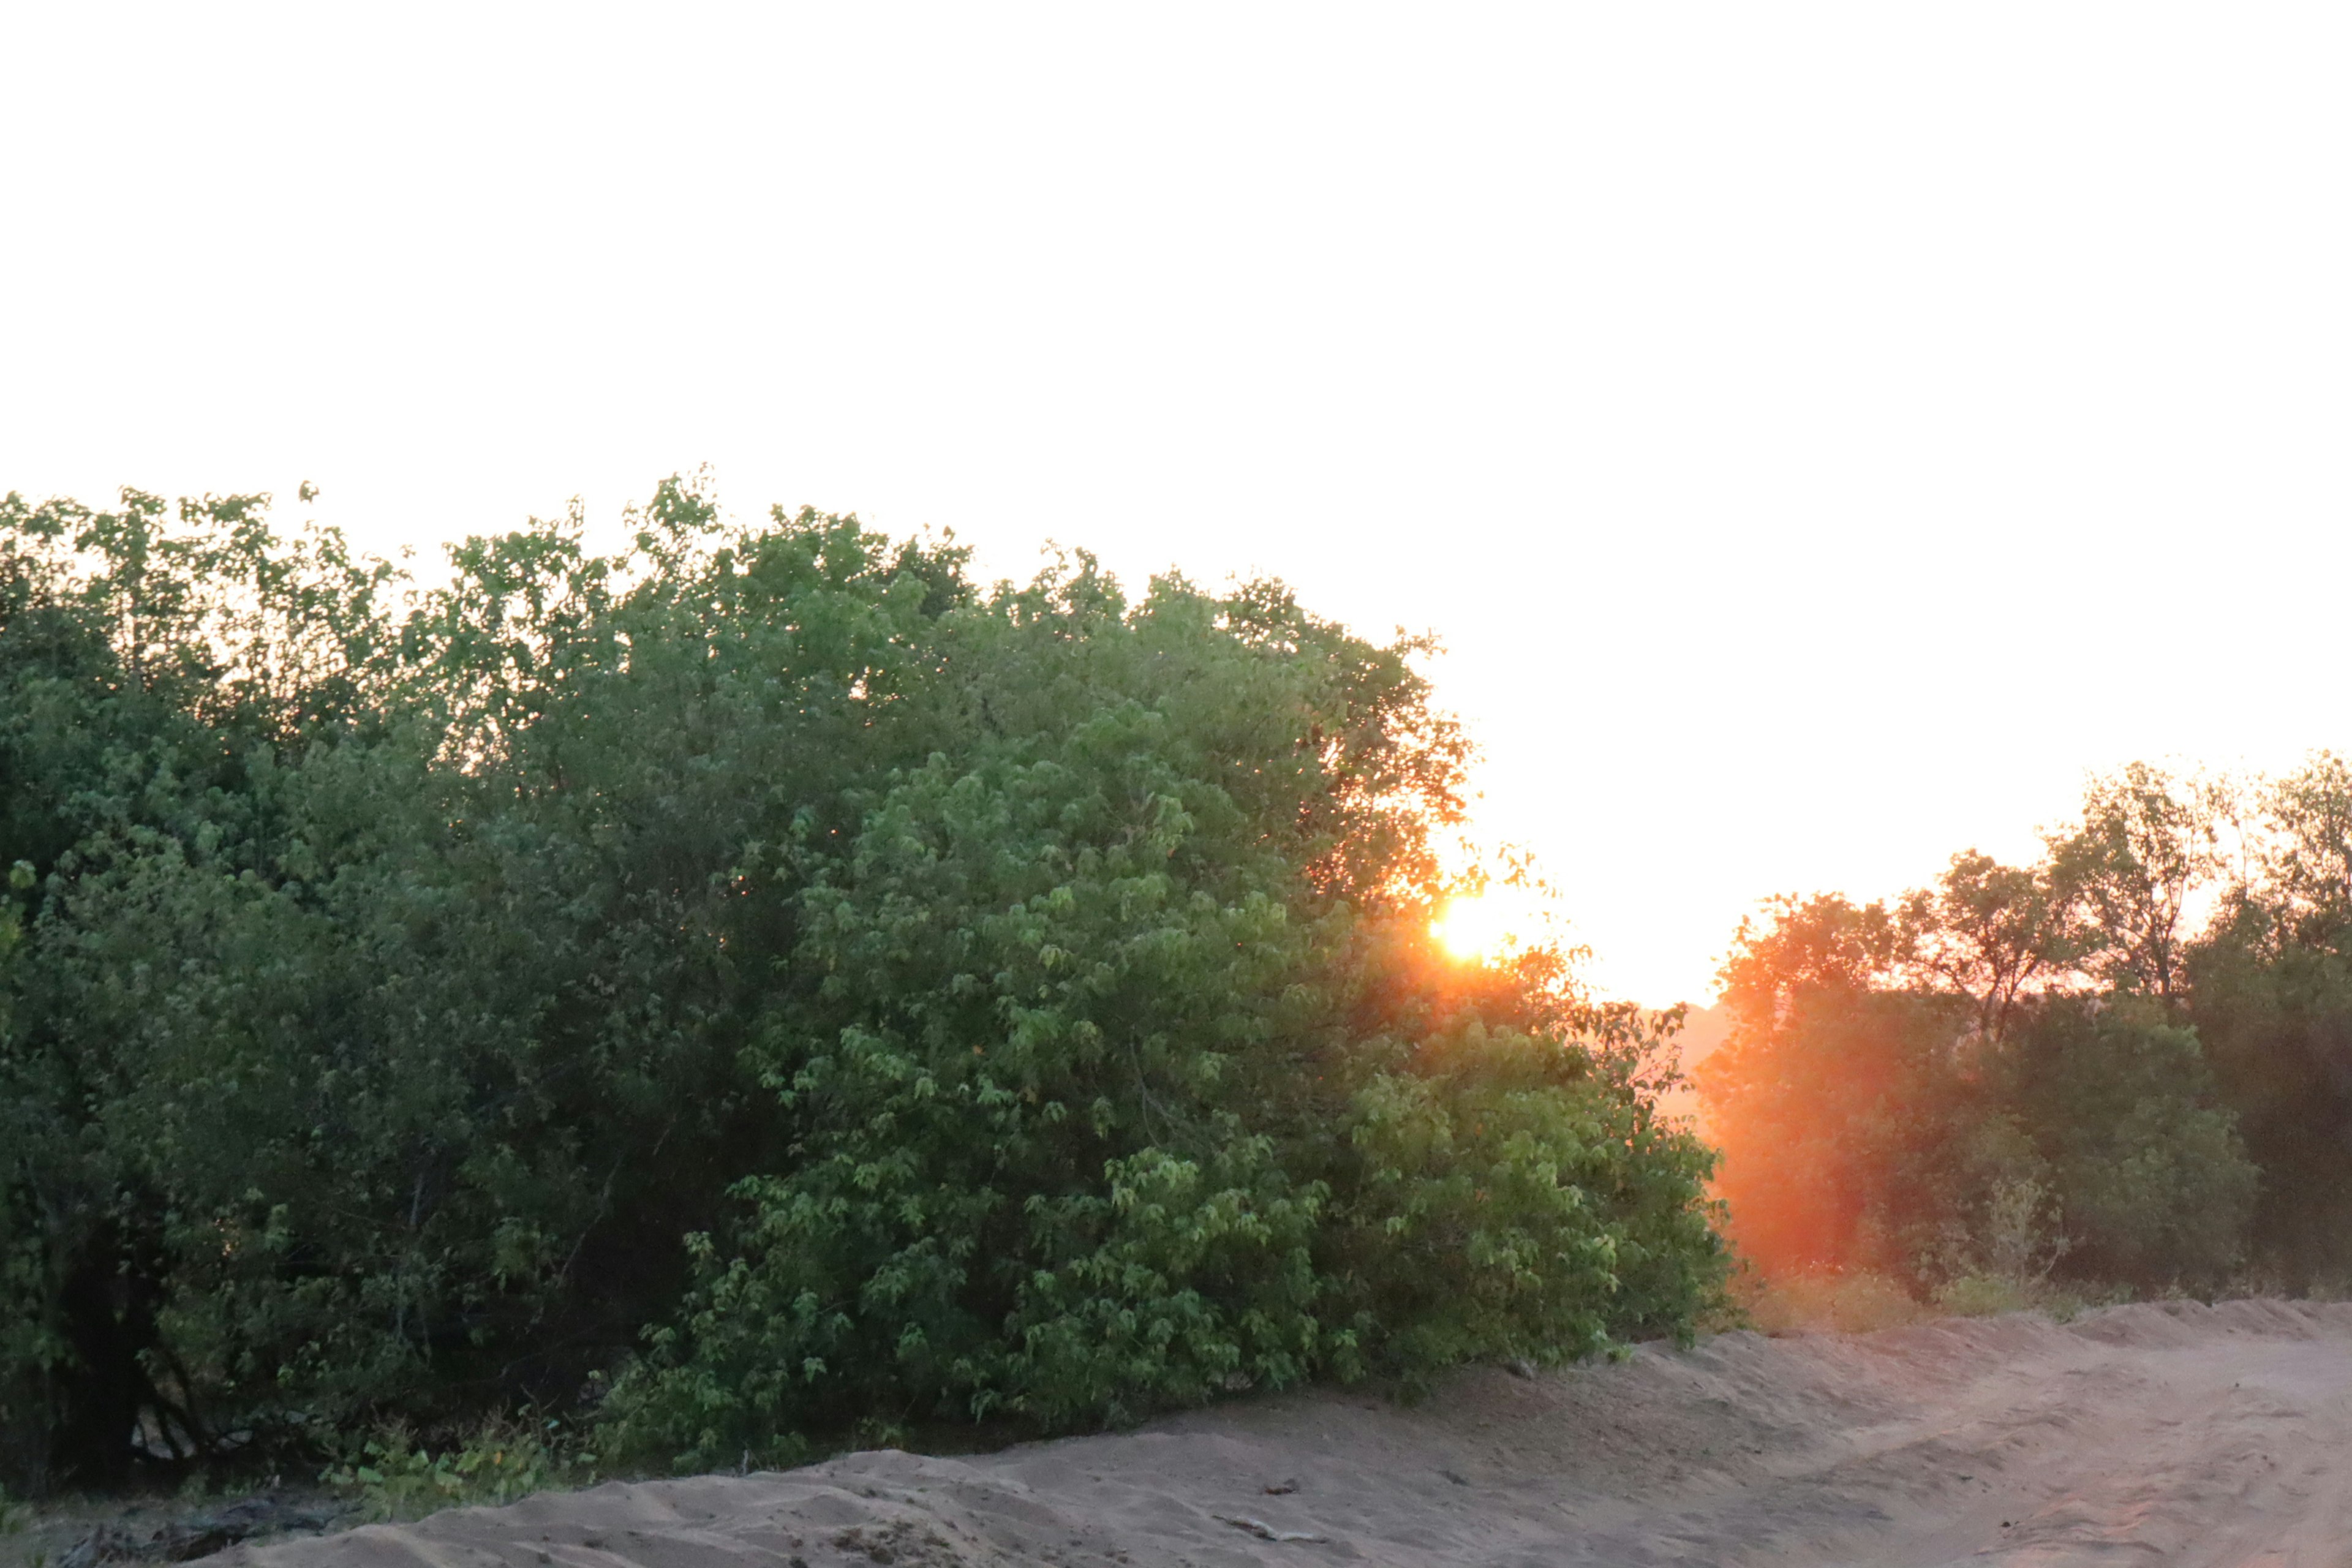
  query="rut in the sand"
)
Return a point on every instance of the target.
[{"x": 2174, "y": 1434}]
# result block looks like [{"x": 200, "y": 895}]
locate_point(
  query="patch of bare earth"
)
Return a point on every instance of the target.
[{"x": 2174, "y": 1433}]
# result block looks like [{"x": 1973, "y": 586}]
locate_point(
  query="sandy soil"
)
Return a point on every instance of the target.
[{"x": 2174, "y": 1434}]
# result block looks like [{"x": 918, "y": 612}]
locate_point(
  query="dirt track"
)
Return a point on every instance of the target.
[{"x": 2170, "y": 1434}]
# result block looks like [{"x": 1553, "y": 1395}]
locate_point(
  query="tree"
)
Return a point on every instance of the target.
[
  {"x": 2150, "y": 1178},
  {"x": 1931, "y": 1093},
  {"x": 2148, "y": 844},
  {"x": 895, "y": 995},
  {"x": 1991, "y": 933},
  {"x": 2307, "y": 866},
  {"x": 1134, "y": 1073},
  {"x": 1822, "y": 944}
]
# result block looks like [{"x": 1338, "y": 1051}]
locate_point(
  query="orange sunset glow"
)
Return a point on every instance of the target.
[
  {"x": 1087, "y": 783},
  {"x": 1308, "y": 403},
  {"x": 1477, "y": 927}
]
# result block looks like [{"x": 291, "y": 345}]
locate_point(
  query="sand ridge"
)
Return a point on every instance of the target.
[{"x": 2173, "y": 1433}]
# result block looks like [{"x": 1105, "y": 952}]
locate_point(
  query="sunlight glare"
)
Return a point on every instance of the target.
[{"x": 1481, "y": 927}]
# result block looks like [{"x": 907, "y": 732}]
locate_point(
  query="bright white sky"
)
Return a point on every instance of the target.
[{"x": 1820, "y": 433}]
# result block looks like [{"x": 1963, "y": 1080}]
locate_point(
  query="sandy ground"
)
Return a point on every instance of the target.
[{"x": 2173, "y": 1433}]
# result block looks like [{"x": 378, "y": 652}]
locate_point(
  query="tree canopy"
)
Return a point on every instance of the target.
[
  {"x": 2131, "y": 1060},
  {"x": 748, "y": 983}
]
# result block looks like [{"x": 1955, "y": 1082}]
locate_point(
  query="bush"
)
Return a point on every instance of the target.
[
  {"x": 1125, "y": 1086},
  {"x": 2149, "y": 1179},
  {"x": 907, "y": 1001},
  {"x": 501, "y": 1462}
]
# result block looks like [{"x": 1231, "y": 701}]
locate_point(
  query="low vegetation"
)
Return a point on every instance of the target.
[
  {"x": 742, "y": 986},
  {"x": 502, "y": 1461}
]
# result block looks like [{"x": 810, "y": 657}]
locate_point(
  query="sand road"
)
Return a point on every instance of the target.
[{"x": 2159, "y": 1434}]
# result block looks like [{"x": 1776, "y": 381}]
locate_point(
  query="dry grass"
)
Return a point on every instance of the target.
[
  {"x": 1856, "y": 1301},
  {"x": 1832, "y": 1300}
]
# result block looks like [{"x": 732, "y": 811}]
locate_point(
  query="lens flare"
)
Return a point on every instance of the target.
[{"x": 1477, "y": 927}]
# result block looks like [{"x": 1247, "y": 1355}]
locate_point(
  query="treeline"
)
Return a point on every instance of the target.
[
  {"x": 751, "y": 984},
  {"x": 2128, "y": 1063}
]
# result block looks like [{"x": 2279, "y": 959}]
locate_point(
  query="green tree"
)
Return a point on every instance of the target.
[
  {"x": 1940, "y": 1090},
  {"x": 898, "y": 995},
  {"x": 1133, "y": 1074},
  {"x": 2150, "y": 1174},
  {"x": 2306, "y": 863},
  {"x": 1991, "y": 933},
  {"x": 2148, "y": 846}
]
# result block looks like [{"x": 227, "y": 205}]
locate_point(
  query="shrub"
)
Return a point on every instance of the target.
[
  {"x": 2149, "y": 1179},
  {"x": 907, "y": 1001},
  {"x": 1128, "y": 1082},
  {"x": 503, "y": 1461}
]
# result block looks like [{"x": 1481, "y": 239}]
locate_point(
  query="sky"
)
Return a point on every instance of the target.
[{"x": 1818, "y": 435}]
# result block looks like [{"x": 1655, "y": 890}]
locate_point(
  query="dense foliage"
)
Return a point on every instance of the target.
[
  {"x": 2129, "y": 1062},
  {"x": 747, "y": 984}
]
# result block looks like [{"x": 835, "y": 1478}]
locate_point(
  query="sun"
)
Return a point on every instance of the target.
[{"x": 1479, "y": 927}]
